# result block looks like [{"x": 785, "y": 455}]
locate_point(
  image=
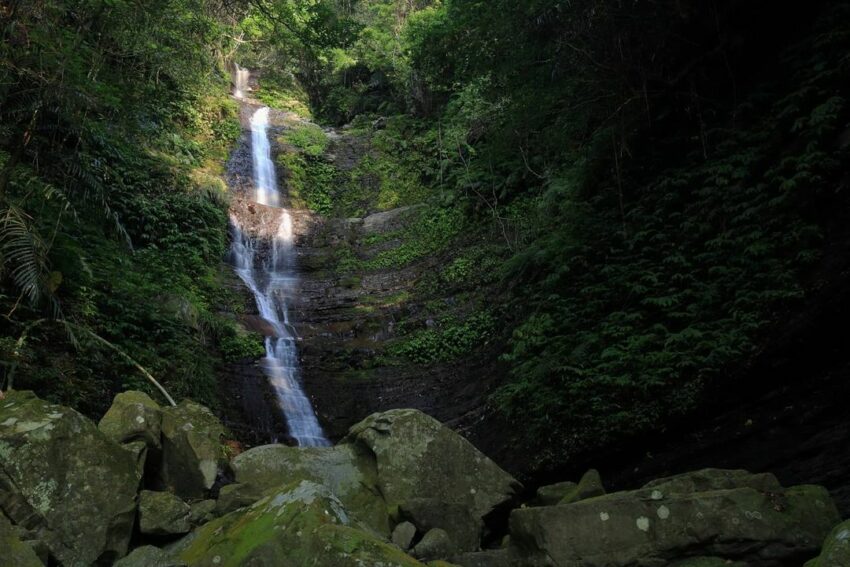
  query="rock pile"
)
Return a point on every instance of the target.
[{"x": 399, "y": 490}]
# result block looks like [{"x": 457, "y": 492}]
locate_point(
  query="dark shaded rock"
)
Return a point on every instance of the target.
[
  {"x": 432, "y": 476},
  {"x": 488, "y": 558},
  {"x": 139, "y": 452},
  {"x": 149, "y": 556},
  {"x": 664, "y": 523},
  {"x": 589, "y": 486},
  {"x": 162, "y": 513},
  {"x": 235, "y": 496},
  {"x": 403, "y": 535},
  {"x": 436, "y": 544},
  {"x": 553, "y": 493},
  {"x": 192, "y": 451},
  {"x": 202, "y": 512},
  {"x": 13, "y": 551},
  {"x": 836, "y": 548}
]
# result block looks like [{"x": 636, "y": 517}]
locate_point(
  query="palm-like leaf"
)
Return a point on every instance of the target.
[{"x": 24, "y": 253}]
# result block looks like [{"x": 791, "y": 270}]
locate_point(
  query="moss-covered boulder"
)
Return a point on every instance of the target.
[
  {"x": 163, "y": 513},
  {"x": 133, "y": 416},
  {"x": 299, "y": 524},
  {"x": 432, "y": 476},
  {"x": 589, "y": 486},
  {"x": 192, "y": 450},
  {"x": 14, "y": 552},
  {"x": 60, "y": 475},
  {"x": 663, "y": 522},
  {"x": 347, "y": 470},
  {"x": 836, "y": 548}
]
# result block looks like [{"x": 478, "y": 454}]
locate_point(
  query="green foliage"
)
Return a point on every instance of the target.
[
  {"x": 662, "y": 192},
  {"x": 448, "y": 342},
  {"x": 112, "y": 210},
  {"x": 307, "y": 137},
  {"x": 427, "y": 232}
]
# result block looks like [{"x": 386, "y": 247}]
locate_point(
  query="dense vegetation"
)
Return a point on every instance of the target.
[
  {"x": 645, "y": 188},
  {"x": 665, "y": 180},
  {"x": 112, "y": 211}
]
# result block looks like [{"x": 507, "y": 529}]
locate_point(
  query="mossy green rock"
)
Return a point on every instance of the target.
[
  {"x": 73, "y": 483},
  {"x": 434, "y": 474},
  {"x": 162, "y": 513},
  {"x": 14, "y": 552},
  {"x": 836, "y": 548},
  {"x": 589, "y": 486},
  {"x": 346, "y": 470},
  {"x": 299, "y": 524},
  {"x": 192, "y": 450},
  {"x": 133, "y": 416},
  {"x": 639, "y": 527}
]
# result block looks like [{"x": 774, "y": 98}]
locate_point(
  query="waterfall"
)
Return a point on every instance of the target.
[
  {"x": 265, "y": 181},
  {"x": 267, "y": 266},
  {"x": 240, "y": 81}
]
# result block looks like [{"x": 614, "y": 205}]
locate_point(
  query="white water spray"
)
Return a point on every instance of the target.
[
  {"x": 240, "y": 81},
  {"x": 268, "y": 269},
  {"x": 265, "y": 180}
]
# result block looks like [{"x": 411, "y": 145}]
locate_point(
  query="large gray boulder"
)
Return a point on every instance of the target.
[
  {"x": 432, "y": 476},
  {"x": 734, "y": 518},
  {"x": 60, "y": 476},
  {"x": 299, "y": 524},
  {"x": 347, "y": 470},
  {"x": 133, "y": 416},
  {"x": 163, "y": 513},
  {"x": 192, "y": 450}
]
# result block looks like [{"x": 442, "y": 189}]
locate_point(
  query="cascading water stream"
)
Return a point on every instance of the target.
[
  {"x": 240, "y": 81},
  {"x": 268, "y": 269}
]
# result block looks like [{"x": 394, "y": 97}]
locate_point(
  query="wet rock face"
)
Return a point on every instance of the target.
[
  {"x": 727, "y": 514},
  {"x": 60, "y": 476}
]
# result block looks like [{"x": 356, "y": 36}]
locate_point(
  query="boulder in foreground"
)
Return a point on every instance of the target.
[
  {"x": 61, "y": 476},
  {"x": 431, "y": 476},
  {"x": 731, "y": 515},
  {"x": 192, "y": 450},
  {"x": 300, "y": 524}
]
